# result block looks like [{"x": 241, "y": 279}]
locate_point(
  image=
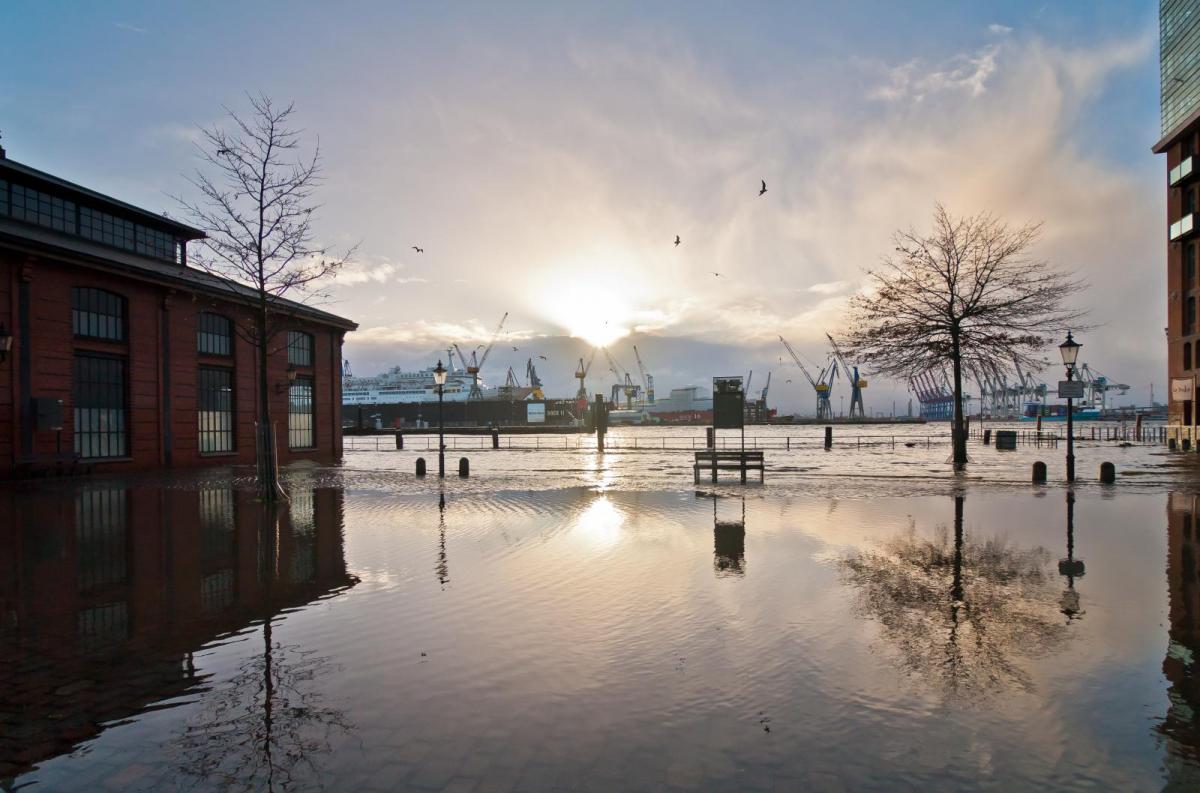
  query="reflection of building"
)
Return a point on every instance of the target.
[
  {"x": 1181, "y": 666},
  {"x": 1179, "y": 43},
  {"x": 125, "y": 355},
  {"x": 729, "y": 544},
  {"x": 106, "y": 591}
]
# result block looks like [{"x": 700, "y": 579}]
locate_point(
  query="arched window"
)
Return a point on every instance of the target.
[
  {"x": 1187, "y": 355},
  {"x": 1189, "y": 316},
  {"x": 97, "y": 314},
  {"x": 300, "y": 348},
  {"x": 214, "y": 334}
]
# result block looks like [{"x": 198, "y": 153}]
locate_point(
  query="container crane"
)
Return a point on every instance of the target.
[
  {"x": 819, "y": 384},
  {"x": 624, "y": 380},
  {"x": 476, "y": 364},
  {"x": 857, "y": 383},
  {"x": 1099, "y": 386},
  {"x": 535, "y": 382},
  {"x": 581, "y": 373},
  {"x": 647, "y": 379}
]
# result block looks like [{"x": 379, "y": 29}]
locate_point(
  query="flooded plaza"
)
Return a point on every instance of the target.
[{"x": 571, "y": 620}]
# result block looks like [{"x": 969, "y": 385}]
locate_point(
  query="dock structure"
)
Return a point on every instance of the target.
[{"x": 741, "y": 460}]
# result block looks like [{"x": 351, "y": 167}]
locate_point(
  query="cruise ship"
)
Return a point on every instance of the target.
[{"x": 396, "y": 386}]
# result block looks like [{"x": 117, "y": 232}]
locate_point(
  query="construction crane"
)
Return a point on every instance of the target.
[
  {"x": 624, "y": 380},
  {"x": 347, "y": 374},
  {"x": 511, "y": 384},
  {"x": 581, "y": 373},
  {"x": 1099, "y": 386},
  {"x": 535, "y": 382},
  {"x": 819, "y": 384},
  {"x": 857, "y": 383},
  {"x": 647, "y": 378},
  {"x": 763, "y": 396},
  {"x": 477, "y": 363}
]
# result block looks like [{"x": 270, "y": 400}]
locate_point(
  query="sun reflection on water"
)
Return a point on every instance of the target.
[{"x": 600, "y": 524}]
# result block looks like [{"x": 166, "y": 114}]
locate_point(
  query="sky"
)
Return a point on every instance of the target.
[{"x": 545, "y": 156}]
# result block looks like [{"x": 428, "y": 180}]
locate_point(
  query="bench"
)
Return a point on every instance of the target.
[{"x": 725, "y": 460}]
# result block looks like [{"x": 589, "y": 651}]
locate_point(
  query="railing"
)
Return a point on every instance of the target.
[{"x": 1180, "y": 172}]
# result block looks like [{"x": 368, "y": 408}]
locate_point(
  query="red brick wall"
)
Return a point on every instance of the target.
[{"x": 53, "y": 347}]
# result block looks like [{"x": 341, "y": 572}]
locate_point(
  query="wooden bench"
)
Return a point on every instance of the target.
[{"x": 725, "y": 460}]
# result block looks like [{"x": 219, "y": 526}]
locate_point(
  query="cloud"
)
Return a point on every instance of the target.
[
  {"x": 830, "y": 288},
  {"x": 914, "y": 81},
  {"x": 374, "y": 270},
  {"x": 998, "y": 29},
  {"x": 130, "y": 27}
]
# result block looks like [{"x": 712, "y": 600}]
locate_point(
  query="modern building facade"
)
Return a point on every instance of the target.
[
  {"x": 1179, "y": 62},
  {"x": 116, "y": 355}
]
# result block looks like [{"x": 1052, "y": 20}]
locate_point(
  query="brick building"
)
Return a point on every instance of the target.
[
  {"x": 115, "y": 355},
  {"x": 1179, "y": 65}
]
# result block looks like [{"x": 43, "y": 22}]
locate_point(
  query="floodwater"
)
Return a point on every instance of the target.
[{"x": 565, "y": 620}]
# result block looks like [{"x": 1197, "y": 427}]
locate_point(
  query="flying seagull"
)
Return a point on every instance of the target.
[
  {"x": 718, "y": 275},
  {"x": 418, "y": 250},
  {"x": 677, "y": 240},
  {"x": 516, "y": 348},
  {"x": 764, "y": 187},
  {"x": 544, "y": 358},
  {"x": 223, "y": 152}
]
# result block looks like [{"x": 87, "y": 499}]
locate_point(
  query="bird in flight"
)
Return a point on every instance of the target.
[
  {"x": 544, "y": 358},
  {"x": 677, "y": 240},
  {"x": 516, "y": 348},
  {"x": 418, "y": 250},
  {"x": 789, "y": 381},
  {"x": 764, "y": 187},
  {"x": 223, "y": 152},
  {"x": 718, "y": 275}
]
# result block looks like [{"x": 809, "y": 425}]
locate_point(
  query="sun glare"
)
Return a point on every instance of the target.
[{"x": 592, "y": 310}]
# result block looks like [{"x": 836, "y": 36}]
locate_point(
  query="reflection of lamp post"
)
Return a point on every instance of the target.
[
  {"x": 1069, "y": 350},
  {"x": 1070, "y": 567},
  {"x": 439, "y": 378}
]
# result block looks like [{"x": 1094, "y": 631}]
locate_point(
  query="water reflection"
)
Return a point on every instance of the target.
[
  {"x": 1070, "y": 567},
  {"x": 962, "y": 614},
  {"x": 729, "y": 544},
  {"x": 1181, "y": 726},
  {"x": 108, "y": 591}
]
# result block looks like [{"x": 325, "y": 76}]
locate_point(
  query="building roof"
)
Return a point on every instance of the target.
[
  {"x": 74, "y": 191},
  {"x": 36, "y": 239}
]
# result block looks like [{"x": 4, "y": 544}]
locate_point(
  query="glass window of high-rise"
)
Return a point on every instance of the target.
[{"x": 1179, "y": 60}]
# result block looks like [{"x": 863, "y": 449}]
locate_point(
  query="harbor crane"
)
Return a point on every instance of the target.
[
  {"x": 1099, "y": 386},
  {"x": 511, "y": 384},
  {"x": 820, "y": 384},
  {"x": 581, "y": 373},
  {"x": 857, "y": 383},
  {"x": 647, "y": 378},
  {"x": 624, "y": 380},
  {"x": 535, "y": 383},
  {"x": 477, "y": 363}
]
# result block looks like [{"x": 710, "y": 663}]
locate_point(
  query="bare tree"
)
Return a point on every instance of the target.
[
  {"x": 969, "y": 295},
  {"x": 256, "y": 204}
]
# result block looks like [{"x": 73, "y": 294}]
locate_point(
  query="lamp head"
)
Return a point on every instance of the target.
[
  {"x": 1069, "y": 350},
  {"x": 439, "y": 373}
]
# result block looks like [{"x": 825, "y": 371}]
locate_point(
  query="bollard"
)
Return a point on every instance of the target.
[
  {"x": 829, "y": 437},
  {"x": 1039, "y": 423},
  {"x": 987, "y": 437},
  {"x": 710, "y": 437},
  {"x": 1039, "y": 472},
  {"x": 1171, "y": 444},
  {"x": 1187, "y": 444},
  {"x": 1108, "y": 473},
  {"x": 464, "y": 467},
  {"x": 420, "y": 466},
  {"x": 399, "y": 441},
  {"x": 495, "y": 439}
]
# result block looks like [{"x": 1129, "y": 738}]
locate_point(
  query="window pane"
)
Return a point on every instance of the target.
[
  {"x": 300, "y": 414},
  {"x": 97, "y": 314},
  {"x": 101, "y": 538},
  {"x": 299, "y": 346},
  {"x": 215, "y": 410},
  {"x": 99, "y": 402},
  {"x": 214, "y": 334}
]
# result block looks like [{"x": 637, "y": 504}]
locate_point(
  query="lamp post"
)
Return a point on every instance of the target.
[
  {"x": 439, "y": 378},
  {"x": 1069, "y": 350}
]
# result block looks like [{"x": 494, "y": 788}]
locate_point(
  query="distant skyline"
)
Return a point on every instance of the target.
[{"x": 546, "y": 157}]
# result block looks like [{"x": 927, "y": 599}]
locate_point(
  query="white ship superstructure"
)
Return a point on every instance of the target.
[{"x": 396, "y": 386}]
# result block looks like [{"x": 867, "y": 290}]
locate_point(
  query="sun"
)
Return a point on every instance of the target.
[
  {"x": 598, "y": 332},
  {"x": 590, "y": 309}
]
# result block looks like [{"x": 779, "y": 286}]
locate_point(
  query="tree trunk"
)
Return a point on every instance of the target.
[
  {"x": 268, "y": 475},
  {"x": 959, "y": 431}
]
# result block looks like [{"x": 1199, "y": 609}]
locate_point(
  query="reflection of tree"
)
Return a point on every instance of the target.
[
  {"x": 266, "y": 728},
  {"x": 960, "y": 613}
]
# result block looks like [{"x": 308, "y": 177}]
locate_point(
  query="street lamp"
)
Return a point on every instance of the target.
[
  {"x": 1069, "y": 350},
  {"x": 439, "y": 379}
]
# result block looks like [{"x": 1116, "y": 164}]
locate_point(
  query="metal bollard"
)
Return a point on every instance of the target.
[
  {"x": 464, "y": 467},
  {"x": 495, "y": 439},
  {"x": 1171, "y": 444},
  {"x": 399, "y": 441},
  {"x": 710, "y": 437},
  {"x": 987, "y": 437},
  {"x": 1108, "y": 473},
  {"x": 420, "y": 466},
  {"x": 829, "y": 437},
  {"x": 1039, "y": 472},
  {"x": 1187, "y": 444}
]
